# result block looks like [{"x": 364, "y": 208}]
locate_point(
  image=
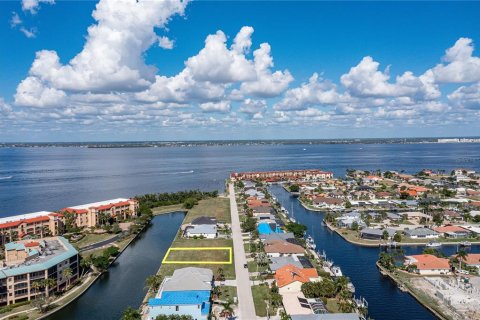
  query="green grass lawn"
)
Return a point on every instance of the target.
[
  {"x": 91, "y": 238},
  {"x": 229, "y": 269},
  {"x": 168, "y": 209},
  {"x": 260, "y": 294},
  {"x": 199, "y": 255},
  {"x": 227, "y": 292},
  {"x": 252, "y": 267},
  {"x": 213, "y": 207}
]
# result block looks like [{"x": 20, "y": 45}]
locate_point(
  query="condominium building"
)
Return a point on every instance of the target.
[
  {"x": 310, "y": 175},
  {"x": 37, "y": 224},
  {"x": 28, "y": 261},
  {"x": 90, "y": 214}
]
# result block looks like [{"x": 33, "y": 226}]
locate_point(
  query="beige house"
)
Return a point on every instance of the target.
[{"x": 89, "y": 215}]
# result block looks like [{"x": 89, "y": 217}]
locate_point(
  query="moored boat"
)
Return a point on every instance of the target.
[{"x": 433, "y": 244}]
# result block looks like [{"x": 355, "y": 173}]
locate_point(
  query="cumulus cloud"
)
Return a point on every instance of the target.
[
  {"x": 33, "y": 6},
  {"x": 460, "y": 65},
  {"x": 165, "y": 43},
  {"x": 254, "y": 109},
  {"x": 467, "y": 96},
  {"x": 222, "y": 106},
  {"x": 112, "y": 57},
  {"x": 365, "y": 80},
  {"x": 4, "y": 107},
  {"x": 267, "y": 83},
  {"x": 315, "y": 92},
  {"x": 208, "y": 74},
  {"x": 217, "y": 64}
]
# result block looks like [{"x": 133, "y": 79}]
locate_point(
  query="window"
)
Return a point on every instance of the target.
[{"x": 177, "y": 308}]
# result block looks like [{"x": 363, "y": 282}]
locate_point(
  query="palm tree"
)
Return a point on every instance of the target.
[
  {"x": 85, "y": 264},
  {"x": 67, "y": 273},
  {"x": 153, "y": 282},
  {"x": 227, "y": 308},
  {"x": 461, "y": 255},
  {"x": 48, "y": 284},
  {"x": 36, "y": 285}
]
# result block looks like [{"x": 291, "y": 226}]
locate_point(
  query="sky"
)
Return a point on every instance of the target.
[{"x": 124, "y": 70}]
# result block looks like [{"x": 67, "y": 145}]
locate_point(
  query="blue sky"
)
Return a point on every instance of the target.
[{"x": 358, "y": 50}]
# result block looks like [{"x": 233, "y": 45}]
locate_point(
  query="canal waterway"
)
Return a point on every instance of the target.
[
  {"x": 385, "y": 300},
  {"x": 124, "y": 283}
]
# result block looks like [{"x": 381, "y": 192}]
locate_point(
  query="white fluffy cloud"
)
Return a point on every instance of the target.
[
  {"x": 33, "y": 5},
  {"x": 312, "y": 93},
  {"x": 266, "y": 84},
  {"x": 222, "y": 106},
  {"x": 467, "y": 96},
  {"x": 365, "y": 80},
  {"x": 254, "y": 109},
  {"x": 165, "y": 43},
  {"x": 460, "y": 65},
  {"x": 112, "y": 57},
  {"x": 4, "y": 107}
]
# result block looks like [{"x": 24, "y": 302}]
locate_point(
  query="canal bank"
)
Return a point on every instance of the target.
[
  {"x": 385, "y": 299},
  {"x": 124, "y": 283}
]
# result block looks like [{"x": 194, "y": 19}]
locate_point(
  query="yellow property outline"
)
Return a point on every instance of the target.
[{"x": 198, "y": 249}]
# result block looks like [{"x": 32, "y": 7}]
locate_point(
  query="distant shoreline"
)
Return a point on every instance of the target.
[{"x": 197, "y": 143}]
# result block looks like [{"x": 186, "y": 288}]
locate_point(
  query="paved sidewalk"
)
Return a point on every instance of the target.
[{"x": 246, "y": 308}]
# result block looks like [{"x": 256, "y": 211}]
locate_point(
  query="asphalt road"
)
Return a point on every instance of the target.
[
  {"x": 244, "y": 292},
  {"x": 100, "y": 244}
]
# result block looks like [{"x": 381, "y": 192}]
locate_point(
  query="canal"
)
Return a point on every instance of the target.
[
  {"x": 124, "y": 283},
  {"x": 385, "y": 300}
]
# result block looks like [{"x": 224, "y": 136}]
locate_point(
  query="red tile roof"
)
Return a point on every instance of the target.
[
  {"x": 10, "y": 224},
  {"x": 32, "y": 244},
  {"x": 450, "y": 229},
  {"x": 77, "y": 211},
  {"x": 290, "y": 273},
  {"x": 280, "y": 246},
  {"x": 429, "y": 261},
  {"x": 37, "y": 219}
]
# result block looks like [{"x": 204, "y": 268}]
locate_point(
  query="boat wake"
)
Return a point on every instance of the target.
[
  {"x": 6, "y": 178},
  {"x": 177, "y": 172}
]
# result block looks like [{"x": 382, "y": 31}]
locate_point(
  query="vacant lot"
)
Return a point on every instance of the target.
[
  {"x": 214, "y": 207},
  {"x": 220, "y": 255}
]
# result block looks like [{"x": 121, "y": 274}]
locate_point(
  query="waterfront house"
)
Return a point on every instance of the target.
[
  {"x": 202, "y": 220},
  {"x": 268, "y": 228},
  {"x": 472, "y": 260},
  {"x": 28, "y": 261},
  {"x": 277, "y": 248},
  {"x": 290, "y": 278},
  {"x": 375, "y": 234},
  {"x": 416, "y": 216},
  {"x": 328, "y": 203},
  {"x": 428, "y": 264},
  {"x": 298, "y": 261},
  {"x": 450, "y": 231},
  {"x": 262, "y": 209},
  {"x": 201, "y": 231},
  {"x": 186, "y": 292},
  {"x": 421, "y": 233},
  {"x": 276, "y": 236}
]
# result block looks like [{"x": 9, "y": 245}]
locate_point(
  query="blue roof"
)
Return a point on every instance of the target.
[
  {"x": 14, "y": 246},
  {"x": 180, "y": 298},
  {"x": 206, "y": 308},
  {"x": 266, "y": 228}
]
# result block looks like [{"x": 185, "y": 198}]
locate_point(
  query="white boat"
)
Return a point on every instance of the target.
[
  {"x": 337, "y": 272},
  {"x": 351, "y": 287},
  {"x": 432, "y": 244},
  {"x": 292, "y": 218},
  {"x": 465, "y": 244}
]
